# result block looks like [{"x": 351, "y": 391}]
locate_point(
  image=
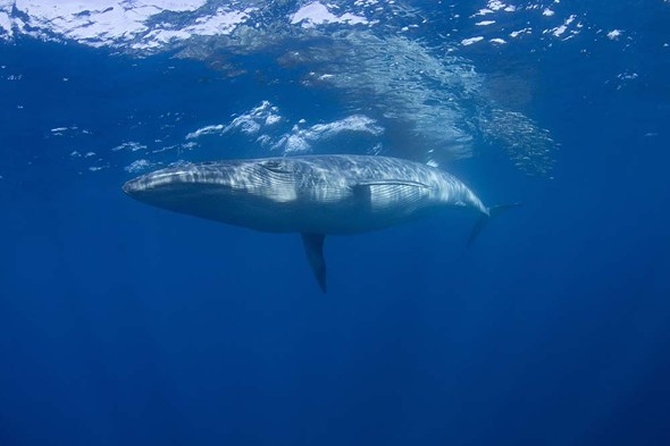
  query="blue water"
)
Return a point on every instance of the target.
[{"x": 124, "y": 324}]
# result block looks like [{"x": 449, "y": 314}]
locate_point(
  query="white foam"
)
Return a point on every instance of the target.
[
  {"x": 517, "y": 33},
  {"x": 498, "y": 41},
  {"x": 483, "y": 11},
  {"x": 293, "y": 144},
  {"x": 133, "y": 22},
  {"x": 131, "y": 146},
  {"x": 221, "y": 23},
  {"x": 356, "y": 123},
  {"x": 251, "y": 122},
  {"x": 246, "y": 124},
  {"x": 626, "y": 76},
  {"x": 497, "y": 5},
  {"x": 207, "y": 130},
  {"x": 316, "y": 13},
  {"x": 160, "y": 37},
  {"x": 302, "y": 140},
  {"x": 485, "y": 23},
  {"x": 5, "y": 25},
  {"x": 493, "y": 6},
  {"x": 114, "y": 22},
  {"x": 560, "y": 30},
  {"x": 471, "y": 40},
  {"x": 614, "y": 34},
  {"x": 269, "y": 129},
  {"x": 94, "y": 22},
  {"x": 138, "y": 166},
  {"x": 272, "y": 119}
]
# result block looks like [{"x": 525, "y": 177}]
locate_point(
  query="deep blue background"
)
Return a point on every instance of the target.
[{"x": 122, "y": 324}]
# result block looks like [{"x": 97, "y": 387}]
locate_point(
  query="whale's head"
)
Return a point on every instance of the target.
[
  {"x": 176, "y": 184},
  {"x": 222, "y": 177},
  {"x": 237, "y": 192}
]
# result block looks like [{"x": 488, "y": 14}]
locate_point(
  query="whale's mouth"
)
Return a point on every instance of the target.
[
  {"x": 168, "y": 187},
  {"x": 131, "y": 187},
  {"x": 163, "y": 181}
]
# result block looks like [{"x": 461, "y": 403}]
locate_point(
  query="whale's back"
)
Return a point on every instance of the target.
[{"x": 345, "y": 194}]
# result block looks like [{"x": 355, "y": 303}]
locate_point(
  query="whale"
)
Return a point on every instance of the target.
[{"x": 314, "y": 195}]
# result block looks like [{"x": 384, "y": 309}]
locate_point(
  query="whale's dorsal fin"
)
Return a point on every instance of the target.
[{"x": 314, "y": 250}]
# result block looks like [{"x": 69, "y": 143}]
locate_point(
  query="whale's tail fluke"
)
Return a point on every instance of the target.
[{"x": 493, "y": 212}]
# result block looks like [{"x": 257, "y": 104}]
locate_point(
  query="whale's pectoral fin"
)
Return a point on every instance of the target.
[
  {"x": 314, "y": 250},
  {"x": 410, "y": 190},
  {"x": 364, "y": 188},
  {"x": 493, "y": 212}
]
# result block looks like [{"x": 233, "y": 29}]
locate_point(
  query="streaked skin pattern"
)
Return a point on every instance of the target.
[
  {"x": 312, "y": 195},
  {"x": 330, "y": 194}
]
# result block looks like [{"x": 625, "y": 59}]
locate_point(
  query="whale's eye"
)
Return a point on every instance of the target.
[{"x": 276, "y": 166}]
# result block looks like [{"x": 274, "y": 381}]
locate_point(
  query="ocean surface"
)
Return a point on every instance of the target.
[{"x": 122, "y": 324}]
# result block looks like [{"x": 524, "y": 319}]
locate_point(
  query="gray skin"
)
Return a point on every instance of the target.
[{"x": 312, "y": 195}]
